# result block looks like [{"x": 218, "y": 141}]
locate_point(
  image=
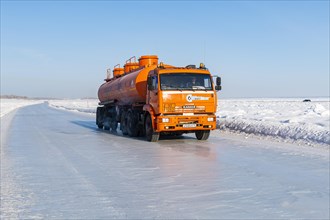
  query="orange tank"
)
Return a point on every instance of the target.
[{"x": 129, "y": 88}]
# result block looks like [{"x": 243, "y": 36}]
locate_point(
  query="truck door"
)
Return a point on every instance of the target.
[{"x": 153, "y": 94}]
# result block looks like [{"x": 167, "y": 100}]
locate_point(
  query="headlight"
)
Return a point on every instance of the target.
[
  {"x": 165, "y": 120},
  {"x": 210, "y": 119}
]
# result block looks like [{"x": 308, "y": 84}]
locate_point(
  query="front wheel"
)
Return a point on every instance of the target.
[
  {"x": 151, "y": 135},
  {"x": 202, "y": 135}
]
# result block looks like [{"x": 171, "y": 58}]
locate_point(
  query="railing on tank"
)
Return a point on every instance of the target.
[
  {"x": 130, "y": 66},
  {"x": 108, "y": 78},
  {"x": 130, "y": 59}
]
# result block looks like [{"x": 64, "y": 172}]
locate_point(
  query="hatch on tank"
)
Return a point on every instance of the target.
[
  {"x": 131, "y": 65},
  {"x": 148, "y": 60},
  {"x": 117, "y": 71}
]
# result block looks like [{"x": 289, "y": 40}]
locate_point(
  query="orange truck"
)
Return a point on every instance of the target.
[{"x": 148, "y": 98}]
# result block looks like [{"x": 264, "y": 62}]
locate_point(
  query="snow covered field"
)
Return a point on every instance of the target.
[
  {"x": 8, "y": 105},
  {"x": 288, "y": 120}
]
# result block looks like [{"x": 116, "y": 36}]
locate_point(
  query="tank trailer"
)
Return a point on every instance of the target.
[{"x": 148, "y": 98}]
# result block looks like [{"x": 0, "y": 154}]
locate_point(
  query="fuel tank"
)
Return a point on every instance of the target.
[{"x": 130, "y": 87}]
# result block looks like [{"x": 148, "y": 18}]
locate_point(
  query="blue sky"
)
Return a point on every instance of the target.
[{"x": 260, "y": 48}]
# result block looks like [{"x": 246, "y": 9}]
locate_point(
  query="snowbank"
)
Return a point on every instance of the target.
[
  {"x": 77, "y": 105},
  {"x": 289, "y": 119},
  {"x": 8, "y": 105}
]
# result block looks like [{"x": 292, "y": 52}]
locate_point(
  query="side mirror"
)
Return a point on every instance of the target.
[
  {"x": 218, "y": 81},
  {"x": 218, "y": 84},
  {"x": 149, "y": 83}
]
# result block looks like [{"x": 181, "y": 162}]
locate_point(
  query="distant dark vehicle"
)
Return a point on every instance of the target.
[{"x": 307, "y": 100}]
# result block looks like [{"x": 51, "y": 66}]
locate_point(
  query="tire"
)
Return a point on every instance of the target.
[
  {"x": 202, "y": 135},
  {"x": 123, "y": 124},
  {"x": 114, "y": 126},
  {"x": 150, "y": 134},
  {"x": 132, "y": 128},
  {"x": 99, "y": 117},
  {"x": 107, "y": 128}
]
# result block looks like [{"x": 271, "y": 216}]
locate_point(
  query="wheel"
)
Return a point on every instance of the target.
[
  {"x": 107, "y": 128},
  {"x": 99, "y": 117},
  {"x": 123, "y": 124},
  {"x": 114, "y": 126},
  {"x": 132, "y": 128},
  {"x": 150, "y": 134},
  {"x": 202, "y": 135}
]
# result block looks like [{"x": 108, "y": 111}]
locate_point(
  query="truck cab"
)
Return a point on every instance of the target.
[{"x": 183, "y": 100}]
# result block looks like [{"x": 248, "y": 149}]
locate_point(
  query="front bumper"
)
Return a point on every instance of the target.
[{"x": 185, "y": 123}]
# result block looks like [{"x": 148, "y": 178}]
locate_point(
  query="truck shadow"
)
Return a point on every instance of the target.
[
  {"x": 87, "y": 124},
  {"x": 184, "y": 143},
  {"x": 92, "y": 126}
]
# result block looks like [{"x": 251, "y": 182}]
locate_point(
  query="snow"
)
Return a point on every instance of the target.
[
  {"x": 8, "y": 105},
  {"x": 283, "y": 119},
  {"x": 77, "y": 105},
  {"x": 289, "y": 119}
]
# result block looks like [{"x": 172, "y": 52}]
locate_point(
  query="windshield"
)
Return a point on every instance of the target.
[{"x": 185, "y": 81}]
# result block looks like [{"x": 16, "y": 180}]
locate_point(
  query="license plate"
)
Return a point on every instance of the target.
[
  {"x": 189, "y": 107},
  {"x": 189, "y": 125}
]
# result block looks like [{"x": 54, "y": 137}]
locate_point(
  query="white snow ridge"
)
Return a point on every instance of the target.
[{"x": 289, "y": 119}]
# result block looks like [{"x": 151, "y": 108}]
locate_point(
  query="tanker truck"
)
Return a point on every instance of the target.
[{"x": 148, "y": 98}]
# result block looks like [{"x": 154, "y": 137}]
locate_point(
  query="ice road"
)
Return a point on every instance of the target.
[{"x": 57, "y": 164}]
